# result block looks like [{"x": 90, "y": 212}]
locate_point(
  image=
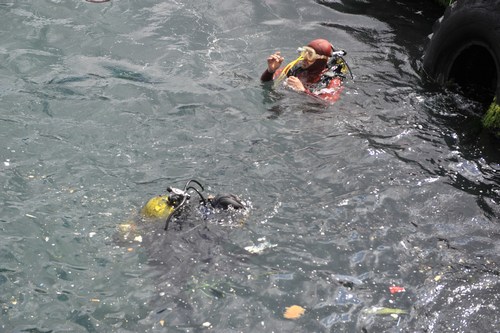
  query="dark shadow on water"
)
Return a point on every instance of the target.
[
  {"x": 478, "y": 159},
  {"x": 125, "y": 74},
  {"x": 408, "y": 20}
]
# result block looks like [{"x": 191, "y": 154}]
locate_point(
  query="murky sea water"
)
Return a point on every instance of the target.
[{"x": 105, "y": 105}]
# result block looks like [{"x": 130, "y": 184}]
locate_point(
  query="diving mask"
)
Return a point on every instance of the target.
[{"x": 309, "y": 54}]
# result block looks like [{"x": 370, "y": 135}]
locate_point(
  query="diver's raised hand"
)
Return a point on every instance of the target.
[{"x": 274, "y": 62}]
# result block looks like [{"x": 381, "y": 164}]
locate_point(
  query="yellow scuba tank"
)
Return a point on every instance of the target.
[{"x": 157, "y": 207}]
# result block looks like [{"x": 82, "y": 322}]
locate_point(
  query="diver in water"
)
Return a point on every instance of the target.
[
  {"x": 170, "y": 205},
  {"x": 175, "y": 205},
  {"x": 318, "y": 71}
]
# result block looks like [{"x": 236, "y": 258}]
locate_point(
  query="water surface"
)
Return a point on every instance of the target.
[{"x": 105, "y": 105}]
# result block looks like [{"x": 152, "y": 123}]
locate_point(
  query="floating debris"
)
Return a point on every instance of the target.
[
  {"x": 395, "y": 289},
  {"x": 347, "y": 280},
  {"x": 294, "y": 312},
  {"x": 257, "y": 249},
  {"x": 379, "y": 310},
  {"x": 126, "y": 227}
]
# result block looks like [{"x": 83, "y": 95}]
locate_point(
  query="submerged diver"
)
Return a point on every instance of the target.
[
  {"x": 175, "y": 204},
  {"x": 318, "y": 71},
  {"x": 171, "y": 204}
]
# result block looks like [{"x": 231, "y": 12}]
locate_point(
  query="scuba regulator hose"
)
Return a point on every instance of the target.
[
  {"x": 340, "y": 55},
  {"x": 177, "y": 198},
  {"x": 183, "y": 196},
  {"x": 284, "y": 72}
]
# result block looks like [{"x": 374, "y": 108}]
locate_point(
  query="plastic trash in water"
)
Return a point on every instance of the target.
[
  {"x": 294, "y": 312},
  {"x": 347, "y": 280},
  {"x": 380, "y": 310},
  {"x": 259, "y": 248},
  {"x": 395, "y": 289}
]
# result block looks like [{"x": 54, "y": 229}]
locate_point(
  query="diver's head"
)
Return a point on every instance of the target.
[
  {"x": 315, "y": 55},
  {"x": 224, "y": 201}
]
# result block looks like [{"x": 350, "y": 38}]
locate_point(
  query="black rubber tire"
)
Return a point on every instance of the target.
[{"x": 465, "y": 45}]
